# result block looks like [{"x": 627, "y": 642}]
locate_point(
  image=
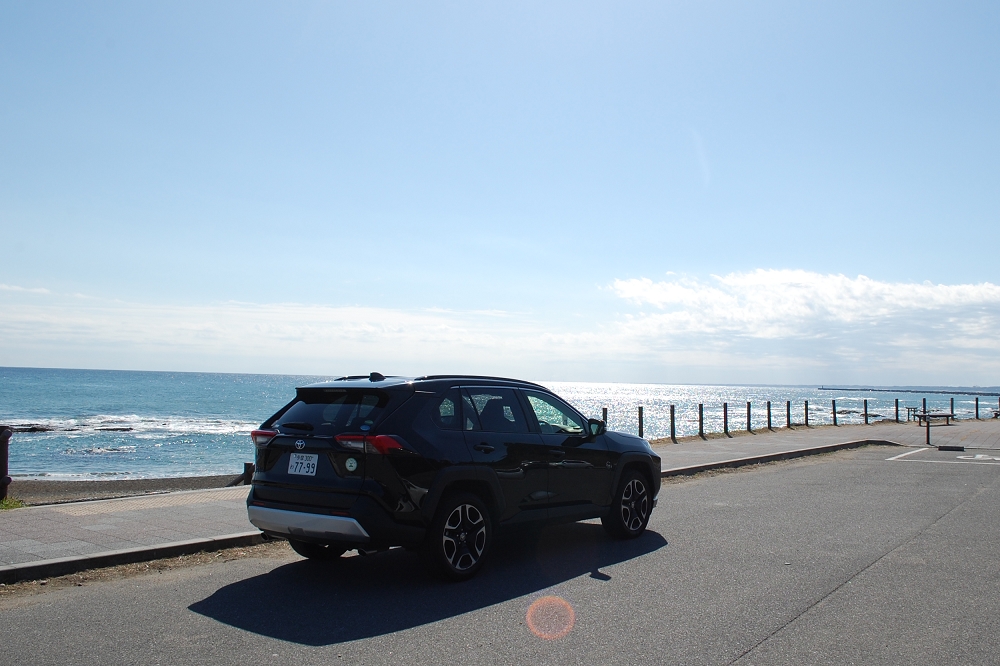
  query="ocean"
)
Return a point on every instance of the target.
[{"x": 108, "y": 424}]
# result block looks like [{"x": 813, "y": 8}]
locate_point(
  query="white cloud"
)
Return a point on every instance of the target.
[
  {"x": 281, "y": 337},
  {"x": 27, "y": 290},
  {"x": 766, "y": 326},
  {"x": 793, "y": 303}
]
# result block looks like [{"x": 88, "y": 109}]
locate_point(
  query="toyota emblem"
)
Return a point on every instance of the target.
[{"x": 300, "y": 444}]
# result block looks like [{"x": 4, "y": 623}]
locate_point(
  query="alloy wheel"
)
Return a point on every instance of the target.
[
  {"x": 464, "y": 537},
  {"x": 634, "y": 505}
]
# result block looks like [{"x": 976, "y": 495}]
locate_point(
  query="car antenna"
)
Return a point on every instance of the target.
[{"x": 376, "y": 377}]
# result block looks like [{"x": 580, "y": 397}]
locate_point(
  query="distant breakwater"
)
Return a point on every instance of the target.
[{"x": 991, "y": 394}]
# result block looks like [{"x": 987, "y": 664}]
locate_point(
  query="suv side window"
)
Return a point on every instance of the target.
[
  {"x": 470, "y": 420},
  {"x": 497, "y": 410},
  {"x": 553, "y": 415},
  {"x": 446, "y": 411}
]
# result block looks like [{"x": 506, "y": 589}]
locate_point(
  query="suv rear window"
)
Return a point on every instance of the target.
[
  {"x": 445, "y": 411},
  {"x": 328, "y": 413}
]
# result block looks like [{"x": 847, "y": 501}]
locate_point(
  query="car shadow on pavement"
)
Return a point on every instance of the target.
[{"x": 321, "y": 603}]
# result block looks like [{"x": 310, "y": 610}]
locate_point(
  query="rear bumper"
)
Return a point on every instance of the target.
[
  {"x": 366, "y": 523},
  {"x": 308, "y": 525}
]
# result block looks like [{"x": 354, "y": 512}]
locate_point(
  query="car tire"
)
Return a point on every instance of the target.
[
  {"x": 630, "y": 508},
  {"x": 460, "y": 536},
  {"x": 317, "y": 551}
]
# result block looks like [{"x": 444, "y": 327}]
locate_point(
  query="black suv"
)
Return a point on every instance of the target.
[{"x": 440, "y": 464}]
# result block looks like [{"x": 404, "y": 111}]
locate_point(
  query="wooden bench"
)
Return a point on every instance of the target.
[
  {"x": 910, "y": 411},
  {"x": 928, "y": 416}
]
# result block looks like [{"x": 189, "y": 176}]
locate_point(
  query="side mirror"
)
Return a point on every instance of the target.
[{"x": 596, "y": 427}]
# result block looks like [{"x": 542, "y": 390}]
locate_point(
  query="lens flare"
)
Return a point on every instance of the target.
[{"x": 550, "y": 618}]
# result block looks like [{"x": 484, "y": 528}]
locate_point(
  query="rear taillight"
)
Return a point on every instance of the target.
[
  {"x": 382, "y": 444},
  {"x": 262, "y": 437},
  {"x": 370, "y": 443},
  {"x": 356, "y": 442}
]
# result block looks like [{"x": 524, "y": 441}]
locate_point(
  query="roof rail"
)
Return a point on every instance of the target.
[
  {"x": 373, "y": 377},
  {"x": 501, "y": 379}
]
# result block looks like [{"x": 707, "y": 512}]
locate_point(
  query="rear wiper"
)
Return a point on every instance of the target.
[{"x": 296, "y": 425}]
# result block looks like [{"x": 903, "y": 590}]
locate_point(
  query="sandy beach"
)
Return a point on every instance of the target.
[{"x": 35, "y": 492}]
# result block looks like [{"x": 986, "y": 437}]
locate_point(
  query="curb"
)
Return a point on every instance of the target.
[
  {"x": 61, "y": 566},
  {"x": 772, "y": 457}
]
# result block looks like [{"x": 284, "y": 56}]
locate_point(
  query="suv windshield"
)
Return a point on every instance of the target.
[{"x": 328, "y": 413}]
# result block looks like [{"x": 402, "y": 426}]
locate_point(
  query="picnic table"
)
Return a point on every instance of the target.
[
  {"x": 910, "y": 411},
  {"x": 927, "y": 416}
]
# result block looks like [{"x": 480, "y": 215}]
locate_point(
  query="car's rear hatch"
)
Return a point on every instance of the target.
[{"x": 315, "y": 460}]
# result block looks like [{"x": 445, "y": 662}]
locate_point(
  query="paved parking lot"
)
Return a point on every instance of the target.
[
  {"x": 860, "y": 557},
  {"x": 968, "y": 433}
]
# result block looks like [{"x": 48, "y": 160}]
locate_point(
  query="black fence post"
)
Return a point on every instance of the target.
[
  {"x": 788, "y": 413},
  {"x": 769, "y": 415},
  {"x": 248, "y": 470},
  {"x": 673, "y": 433},
  {"x": 701, "y": 420},
  {"x": 749, "y": 422},
  {"x": 725, "y": 418},
  {"x": 5, "y": 433},
  {"x": 604, "y": 416},
  {"x": 952, "y": 410},
  {"x": 866, "y": 411},
  {"x": 977, "y": 409},
  {"x": 925, "y": 405},
  {"x": 897, "y": 410},
  {"x": 807, "y": 413},
  {"x": 640, "y": 420},
  {"x": 833, "y": 410}
]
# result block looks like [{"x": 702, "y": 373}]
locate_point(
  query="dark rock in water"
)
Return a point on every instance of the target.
[
  {"x": 116, "y": 429},
  {"x": 30, "y": 427}
]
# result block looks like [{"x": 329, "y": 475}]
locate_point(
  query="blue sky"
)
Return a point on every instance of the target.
[{"x": 669, "y": 191}]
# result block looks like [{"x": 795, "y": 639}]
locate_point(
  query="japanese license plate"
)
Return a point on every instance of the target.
[{"x": 303, "y": 463}]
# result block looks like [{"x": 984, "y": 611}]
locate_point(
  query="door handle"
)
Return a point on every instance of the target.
[{"x": 484, "y": 447}]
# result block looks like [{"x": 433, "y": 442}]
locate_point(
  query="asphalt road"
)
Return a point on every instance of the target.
[{"x": 840, "y": 559}]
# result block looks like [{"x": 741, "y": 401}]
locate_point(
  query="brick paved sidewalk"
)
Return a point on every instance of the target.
[{"x": 34, "y": 534}]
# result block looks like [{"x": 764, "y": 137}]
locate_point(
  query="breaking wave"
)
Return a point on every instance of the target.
[
  {"x": 97, "y": 450},
  {"x": 138, "y": 426}
]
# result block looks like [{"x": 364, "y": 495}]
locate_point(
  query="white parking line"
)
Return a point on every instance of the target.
[
  {"x": 908, "y": 453},
  {"x": 954, "y": 462}
]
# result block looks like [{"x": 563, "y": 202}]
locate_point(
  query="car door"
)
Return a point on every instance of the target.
[
  {"x": 580, "y": 472},
  {"x": 497, "y": 435}
]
